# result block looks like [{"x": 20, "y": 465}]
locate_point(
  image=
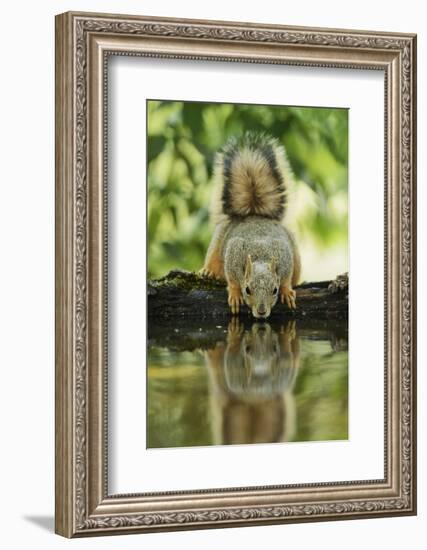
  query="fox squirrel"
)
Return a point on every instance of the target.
[
  {"x": 251, "y": 378},
  {"x": 250, "y": 248}
]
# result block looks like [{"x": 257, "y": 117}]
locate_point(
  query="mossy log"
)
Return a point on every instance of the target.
[{"x": 185, "y": 295}]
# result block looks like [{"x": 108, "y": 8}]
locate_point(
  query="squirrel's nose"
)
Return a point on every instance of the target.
[{"x": 262, "y": 309}]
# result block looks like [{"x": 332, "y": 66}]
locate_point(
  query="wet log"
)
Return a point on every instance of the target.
[{"x": 186, "y": 295}]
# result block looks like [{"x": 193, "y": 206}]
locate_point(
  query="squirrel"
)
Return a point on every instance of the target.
[
  {"x": 251, "y": 377},
  {"x": 250, "y": 248}
]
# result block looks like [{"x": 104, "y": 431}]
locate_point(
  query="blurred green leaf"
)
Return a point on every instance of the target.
[{"x": 183, "y": 138}]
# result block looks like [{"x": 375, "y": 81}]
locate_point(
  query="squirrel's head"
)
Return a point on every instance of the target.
[{"x": 260, "y": 287}]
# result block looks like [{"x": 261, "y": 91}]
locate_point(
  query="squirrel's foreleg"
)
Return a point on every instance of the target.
[
  {"x": 287, "y": 293},
  {"x": 235, "y": 297},
  {"x": 214, "y": 262}
]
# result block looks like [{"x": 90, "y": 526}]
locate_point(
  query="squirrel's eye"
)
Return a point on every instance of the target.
[
  {"x": 275, "y": 290},
  {"x": 248, "y": 290}
]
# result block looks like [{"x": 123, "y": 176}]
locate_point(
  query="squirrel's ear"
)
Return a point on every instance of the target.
[
  {"x": 248, "y": 268},
  {"x": 273, "y": 265}
]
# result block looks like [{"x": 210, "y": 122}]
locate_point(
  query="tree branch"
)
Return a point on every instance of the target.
[{"x": 185, "y": 295}]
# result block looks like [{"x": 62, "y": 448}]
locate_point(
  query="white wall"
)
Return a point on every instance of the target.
[{"x": 27, "y": 268}]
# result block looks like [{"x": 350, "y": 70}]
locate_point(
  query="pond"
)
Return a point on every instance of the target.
[{"x": 222, "y": 383}]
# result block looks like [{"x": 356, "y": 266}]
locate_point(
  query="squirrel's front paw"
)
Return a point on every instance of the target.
[
  {"x": 289, "y": 331},
  {"x": 235, "y": 298},
  {"x": 289, "y": 295},
  {"x": 204, "y": 272},
  {"x": 235, "y": 330}
]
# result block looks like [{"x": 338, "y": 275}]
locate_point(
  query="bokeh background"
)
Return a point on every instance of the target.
[{"x": 182, "y": 140}]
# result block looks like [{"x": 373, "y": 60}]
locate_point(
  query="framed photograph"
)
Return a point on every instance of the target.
[{"x": 235, "y": 274}]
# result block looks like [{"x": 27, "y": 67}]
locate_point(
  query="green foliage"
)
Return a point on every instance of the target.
[{"x": 182, "y": 141}]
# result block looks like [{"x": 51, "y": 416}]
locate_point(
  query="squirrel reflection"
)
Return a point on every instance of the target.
[{"x": 252, "y": 376}]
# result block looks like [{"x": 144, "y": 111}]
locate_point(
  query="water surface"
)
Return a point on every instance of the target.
[{"x": 247, "y": 383}]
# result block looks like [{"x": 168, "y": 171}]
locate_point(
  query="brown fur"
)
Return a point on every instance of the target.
[
  {"x": 254, "y": 189},
  {"x": 253, "y": 174},
  {"x": 242, "y": 414}
]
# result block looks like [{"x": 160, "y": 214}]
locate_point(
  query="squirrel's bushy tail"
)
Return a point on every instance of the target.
[{"x": 253, "y": 173}]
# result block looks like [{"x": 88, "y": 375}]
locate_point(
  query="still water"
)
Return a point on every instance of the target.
[{"x": 247, "y": 383}]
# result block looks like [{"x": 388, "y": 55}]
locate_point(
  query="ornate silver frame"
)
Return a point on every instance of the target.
[{"x": 83, "y": 42}]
